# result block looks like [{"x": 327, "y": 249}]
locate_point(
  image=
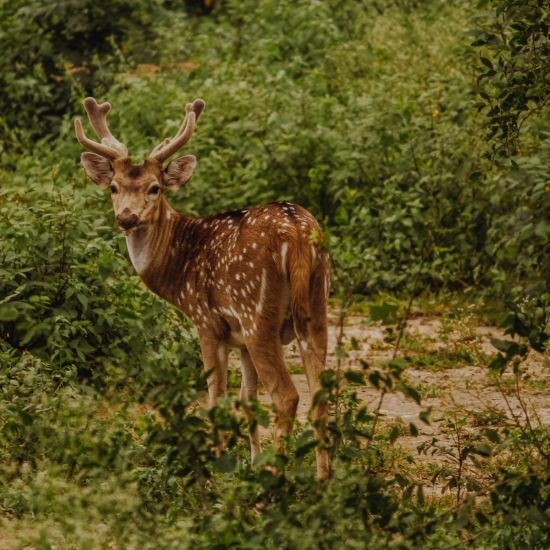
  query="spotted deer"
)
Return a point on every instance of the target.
[{"x": 254, "y": 279}]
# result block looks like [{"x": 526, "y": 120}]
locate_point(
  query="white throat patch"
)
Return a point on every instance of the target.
[{"x": 138, "y": 250}]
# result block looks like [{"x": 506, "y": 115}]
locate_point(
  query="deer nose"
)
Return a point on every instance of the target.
[{"x": 126, "y": 219}]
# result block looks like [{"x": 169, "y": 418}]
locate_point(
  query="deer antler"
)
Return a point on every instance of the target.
[
  {"x": 169, "y": 146},
  {"x": 109, "y": 147}
]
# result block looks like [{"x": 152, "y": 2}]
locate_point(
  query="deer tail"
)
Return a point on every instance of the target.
[{"x": 300, "y": 263}]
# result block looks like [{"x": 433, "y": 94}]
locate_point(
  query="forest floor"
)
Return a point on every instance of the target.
[{"x": 448, "y": 358}]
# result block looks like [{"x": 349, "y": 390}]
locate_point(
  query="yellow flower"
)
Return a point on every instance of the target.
[{"x": 436, "y": 113}]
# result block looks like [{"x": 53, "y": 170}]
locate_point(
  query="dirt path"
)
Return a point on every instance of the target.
[{"x": 449, "y": 361}]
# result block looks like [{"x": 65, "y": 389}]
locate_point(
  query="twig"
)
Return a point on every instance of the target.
[
  {"x": 344, "y": 306},
  {"x": 339, "y": 340}
]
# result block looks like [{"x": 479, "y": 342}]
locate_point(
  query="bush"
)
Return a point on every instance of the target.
[
  {"x": 54, "y": 51},
  {"x": 68, "y": 296}
]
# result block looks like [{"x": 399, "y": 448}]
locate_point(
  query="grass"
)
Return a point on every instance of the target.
[
  {"x": 489, "y": 416},
  {"x": 508, "y": 385},
  {"x": 295, "y": 368},
  {"x": 429, "y": 391},
  {"x": 234, "y": 377},
  {"x": 443, "y": 360}
]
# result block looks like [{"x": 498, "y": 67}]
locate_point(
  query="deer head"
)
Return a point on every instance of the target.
[{"x": 136, "y": 190}]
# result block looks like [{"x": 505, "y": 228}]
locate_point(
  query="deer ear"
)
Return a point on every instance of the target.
[
  {"x": 179, "y": 171},
  {"x": 98, "y": 168}
]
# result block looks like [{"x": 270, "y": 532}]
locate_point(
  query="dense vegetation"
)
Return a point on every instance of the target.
[{"x": 417, "y": 132}]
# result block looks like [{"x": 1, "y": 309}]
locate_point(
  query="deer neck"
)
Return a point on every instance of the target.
[{"x": 152, "y": 249}]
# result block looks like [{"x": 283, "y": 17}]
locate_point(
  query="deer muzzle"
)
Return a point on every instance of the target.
[{"x": 126, "y": 220}]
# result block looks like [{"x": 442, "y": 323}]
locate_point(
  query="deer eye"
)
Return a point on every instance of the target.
[
  {"x": 113, "y": 189},
  {"x": 154, "y": 190}
]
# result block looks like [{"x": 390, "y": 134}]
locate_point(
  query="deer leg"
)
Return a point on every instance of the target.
[
  {"x": 266, "y": 353},
  {"x": 313, "y": 349},
  {"x": 249, "y": 387},
  {"x": 214, "y": 355},
  {"x": 313, "y": 368}
]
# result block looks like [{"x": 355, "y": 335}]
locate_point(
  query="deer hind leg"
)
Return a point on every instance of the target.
[
  {"x": 214, "y": 355},
  {"x": 313, "y": 349},
  {"x": 249, "y": 392},
  {"x": 266, "y": 353}
]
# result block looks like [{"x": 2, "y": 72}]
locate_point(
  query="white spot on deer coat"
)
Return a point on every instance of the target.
[
  {"x": 284, "y": 250},
  {"x": 263, "y": 288}
]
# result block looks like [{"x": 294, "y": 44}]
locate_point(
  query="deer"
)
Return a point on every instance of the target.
[{"x": 254, "y": 279}]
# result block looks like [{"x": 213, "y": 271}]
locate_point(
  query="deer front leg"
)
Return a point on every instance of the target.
[
  {"x": 249, "y": 392},
  {"x": 214, "y": 355}
]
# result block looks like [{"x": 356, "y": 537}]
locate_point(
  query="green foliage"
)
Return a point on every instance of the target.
[
  {"x": 54, "y": 51},
  {"x": 159, "y": 477},
  {"x": 513, "y": 39},
  {"x": 67, "y": 296},
  {"x": 366, "y": 114}
]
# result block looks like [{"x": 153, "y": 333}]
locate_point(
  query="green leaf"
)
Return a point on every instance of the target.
[
  {"x": 492, "y": 435},
  {"x": 482, "y": 449},
  {"x": 302, "y": 450},
  {"x": 410, "y": 391},
  {"x": 83, "y": 299},
  {"x": 385, "y": 312},
  {"x": 225, "y": 464},
  {"x": 355, "y": 377},
  {"x": 319, "y": 397},
  {"x": 498, "y": 364},
  {"x": 8, "y": 313},
  {"x": 487, "y": 62},
  {"x": 425, "y": 415},
  {"x": 503, "y": 345}
]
